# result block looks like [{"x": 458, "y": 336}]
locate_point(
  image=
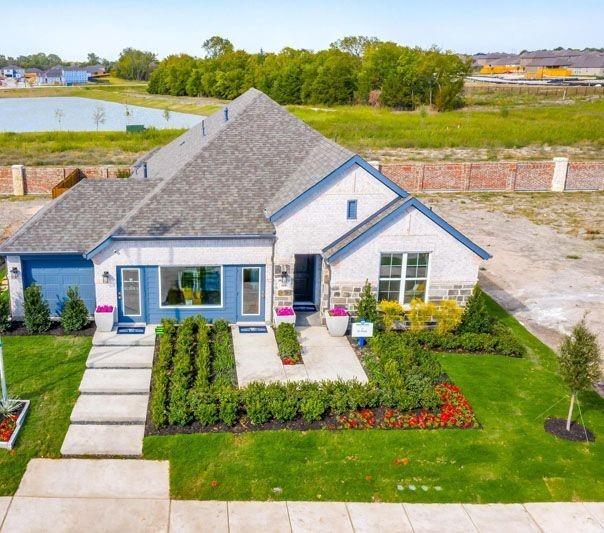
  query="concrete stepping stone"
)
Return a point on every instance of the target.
[
  {"x": 99, "y": 439},
  {"x": 4, "y": 503},
  {"x": 501, "y": 518},
  {"x": 105, "y": 408},
  {"x": 96, "y": 478},
  {"x": 267, "y": 517},
  {"x": 120, "y": 357},
  {"x": 116, "y": 381},
  {"x": 112, "y": 338},
  {"x": 436, "y": 517},
  {"x": 371, "y": 517},
  {"x": 91, "y": 515},
  {"x": 192, "y": 516},
  {"x": 325, "y": 517}
]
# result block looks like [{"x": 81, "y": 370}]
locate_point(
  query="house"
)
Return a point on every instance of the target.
[
  {"x": 52, "y": 76},
  {"x": 94, "y": 70},
  {"x": 591, "y": 65},
  {"x": 12, "y": 71},
  {"x": 248, "y": 210},
  {"x": 32, "y": 74},
  {"x": 75, "y": 75}
]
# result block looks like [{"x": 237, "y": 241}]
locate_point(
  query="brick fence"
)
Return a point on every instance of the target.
[{"x": 559, "y": 174}]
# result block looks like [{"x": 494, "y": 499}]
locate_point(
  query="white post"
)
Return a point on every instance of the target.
[
  {"x": 570, "y": 412},
  {"x": 2, "y": 376},
  {"x": 560, "y": 172},
  {"x": 18, "y": 173}
]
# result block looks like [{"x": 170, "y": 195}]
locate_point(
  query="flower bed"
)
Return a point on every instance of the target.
[
  {"x": 193, "y": 389},
  {"x": 11, "y": 424},
  {"x": 290, "y": 349}
]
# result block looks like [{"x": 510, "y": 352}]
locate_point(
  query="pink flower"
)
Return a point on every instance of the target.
[
  {"x": 284, "y": 311},
  {"x": 338, "y": 311},
  {"x": 104, "y": 309}
]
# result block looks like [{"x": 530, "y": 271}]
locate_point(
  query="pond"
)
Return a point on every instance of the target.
[{"x": 81, "y": 114}]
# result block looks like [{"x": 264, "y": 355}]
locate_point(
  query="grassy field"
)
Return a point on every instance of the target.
[
  {"x": 511, "y": 459},
  {"x": 493, "y": 121},
  {"x": 80, "y": 148},
  {"x": 46, "y": 370}
]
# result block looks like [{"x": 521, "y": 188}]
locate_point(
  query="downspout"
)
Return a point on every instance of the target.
[{"x": 272, "y": 265}]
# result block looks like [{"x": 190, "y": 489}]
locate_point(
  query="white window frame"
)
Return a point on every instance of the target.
[
  {"x": 140, "y": 292},
  {"x": 259, "y": 269},
  {"x": 214, "y": 306},
  {"x": 403, "y": 278}
]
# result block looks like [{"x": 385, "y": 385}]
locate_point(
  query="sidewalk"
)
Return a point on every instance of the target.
[{"x": 133, "y": 495}]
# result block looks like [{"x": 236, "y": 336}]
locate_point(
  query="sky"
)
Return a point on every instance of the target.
[{"x": 72, "y": 28}]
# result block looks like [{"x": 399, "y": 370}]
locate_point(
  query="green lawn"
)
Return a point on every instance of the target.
[
  {"x": 46, "y": 370},
  {"x": 510, "y": 459}
]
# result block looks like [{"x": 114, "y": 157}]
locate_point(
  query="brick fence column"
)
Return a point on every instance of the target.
[
  {"x": 466, "y": 174},
  {"x": 560, "y": 173},
  {"x": 18, "y": 173}
]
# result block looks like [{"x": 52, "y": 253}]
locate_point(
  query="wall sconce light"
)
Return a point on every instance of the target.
[
  {"x": 14, "y": 273},
  {"x": 284, "y": 277},
  {"x": 105, "y": 277}
]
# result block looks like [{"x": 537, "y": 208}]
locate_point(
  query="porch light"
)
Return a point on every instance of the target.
[
  {"x": 105, "y": 277},
  {"x": 284, "y": 277},
  {"x": 14, "y": 273}
]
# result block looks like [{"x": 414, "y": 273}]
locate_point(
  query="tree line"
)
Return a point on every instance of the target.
[
  {"x": 354, "y": 69},
  {"x": 45, "y": 61}
]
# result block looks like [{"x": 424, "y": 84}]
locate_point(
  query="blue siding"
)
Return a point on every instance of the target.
[{"x": 55, "y": 274}]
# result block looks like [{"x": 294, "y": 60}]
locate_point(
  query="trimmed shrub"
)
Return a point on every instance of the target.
[
  {"x": 256, "y": 402},
  {"x": 203, "y": 406},
  {"x": 161, "y": 377},
  {"x": 37, "y": 311},
  {"x": 288, "y": 343},
  {"x": 420, "y": 314},
  {"x": 74, "y": 316},
  {"x": 338, "y": 397},
  {"x": 228, "y": 405},
  {"x": 179, "y": 412},
  {"x": 313, "y": 402},
  {"x": 203, "y": 355},
  {"x": 367, "y": 307},
  {"x": 391, "y": 311},
  {"x": 476, "y": 318},
  {"x": 447, "y": 315},
  {"x": 223, "y": 360},
  {"x": 4, "y": 314},
  {"x": 284, "y": 401}
]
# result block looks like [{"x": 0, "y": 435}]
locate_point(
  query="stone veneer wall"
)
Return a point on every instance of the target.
[
  {"x": 283, "y": 295},
  {"x": 459, "y": 292}
]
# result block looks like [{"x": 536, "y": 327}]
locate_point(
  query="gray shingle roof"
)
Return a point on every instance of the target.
[
  {"x": 331, "y": 249},
  {"x": 221, "y": 178},
  {"x": 78, "y": 218}
]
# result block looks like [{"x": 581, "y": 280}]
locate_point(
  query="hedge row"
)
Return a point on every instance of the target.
[
  {"x": 290, "y": 349},
  {"x": 161, "y": 374},
  {"x": 223, "y": 362}
]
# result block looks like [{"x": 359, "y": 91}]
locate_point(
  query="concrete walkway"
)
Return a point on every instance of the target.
[
  {"x": 133, "y": 495},
  {"x": 109, "y": 416},
  {"x": 326, "y": 358}
]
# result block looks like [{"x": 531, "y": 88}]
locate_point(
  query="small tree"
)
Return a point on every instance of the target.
[
  {"x": 37, "y": 311},
  {"x": 579, "y": 362},
  {"x": 4, "y": 314},
  {"x": 367, "y": 306},
  {"x": 98, "y": 116},
  {"x": 476, "y": 318},
  {"x": 75, "y": 313},
  {"x": 59, "y": 114},
  {"x": 166, "y": 114}
]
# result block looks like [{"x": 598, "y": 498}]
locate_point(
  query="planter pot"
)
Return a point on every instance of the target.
[
  {"x": 104, "y": 321},
  {"x": 287, "y": 319},
  {"x": 8, "y": 445},
  {"x": 337, "y": 325}
]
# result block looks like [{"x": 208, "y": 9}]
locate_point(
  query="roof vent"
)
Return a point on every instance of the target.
[{"x": 226, "y": 114}]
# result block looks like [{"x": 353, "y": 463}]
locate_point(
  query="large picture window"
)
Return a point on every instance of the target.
[
  {"x": 403, "y": 277},
  {"x": 190, "y": 286}
]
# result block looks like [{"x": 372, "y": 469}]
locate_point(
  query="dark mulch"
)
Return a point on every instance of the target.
[
  {"x": 18, "y": 329},
  {"x": 557, "y": 427}
]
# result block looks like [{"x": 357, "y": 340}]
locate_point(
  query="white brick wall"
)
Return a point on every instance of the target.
[
  {"x": 450, "y": 261},
  {"x": 15, "y": 286},
  {"x": 321, "y": 219},
  {"x": 180, "y": 253}
]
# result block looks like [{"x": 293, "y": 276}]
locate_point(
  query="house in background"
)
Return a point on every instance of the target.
[
  {"x": 95, "y": 70},
  {"x": 75, "y": 75},
  {"x": 12, "y": 71},
  {"x": 249, "y": 210},
  {"x": 52, "y": 76},
  {"x": 32, "y": 74}
]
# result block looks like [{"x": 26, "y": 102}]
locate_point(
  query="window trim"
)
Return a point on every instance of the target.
[
  {"x": 259, "y": 269},
  {"x": 212, "y": 306},
  {"x": 140, "y": 292},
  {"x": 349, "y": 204},
  {"x": 403, "y": 279}
]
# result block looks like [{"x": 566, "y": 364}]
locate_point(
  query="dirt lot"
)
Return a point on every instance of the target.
[
  {"x": 548, "y": 250},
  {"x": 15, "y": 211}
]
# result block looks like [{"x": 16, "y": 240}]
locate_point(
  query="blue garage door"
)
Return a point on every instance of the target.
[{"x": 55, "y": 274}]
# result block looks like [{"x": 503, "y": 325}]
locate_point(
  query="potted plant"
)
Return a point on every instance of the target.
[
  {"x": 12, "y": 411},
  {"x": 284, "y": 315},
  {"x": 337, "y": 321},
  {"x": 104, "y": 317}
]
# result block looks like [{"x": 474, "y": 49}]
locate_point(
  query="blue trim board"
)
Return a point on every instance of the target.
[
  {"x": 354, "y": 160},
  {"x": 411, "y": 202}
]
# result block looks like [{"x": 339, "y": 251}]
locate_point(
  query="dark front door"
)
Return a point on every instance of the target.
[{"x": 304, "y": 278}]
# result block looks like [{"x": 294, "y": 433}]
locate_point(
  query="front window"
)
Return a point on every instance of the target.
[
  {"x": 190, "y": 286},
  {"x": 403, "y": 277}
]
